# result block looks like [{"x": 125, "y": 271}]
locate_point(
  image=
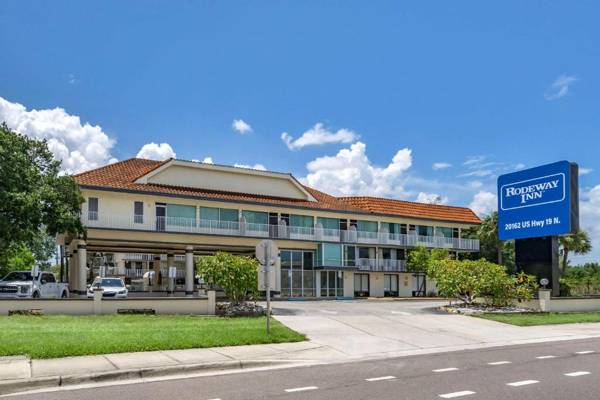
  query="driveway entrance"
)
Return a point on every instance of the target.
[{"x": 362, "y": 328}]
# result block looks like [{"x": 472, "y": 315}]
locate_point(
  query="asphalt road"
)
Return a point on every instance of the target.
[{"x": 553, "y": 370}]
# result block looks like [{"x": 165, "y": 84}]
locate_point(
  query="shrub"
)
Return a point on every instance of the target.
[
  {"x": 467, "y": 280},
  {"x": 236, "y": 275}
]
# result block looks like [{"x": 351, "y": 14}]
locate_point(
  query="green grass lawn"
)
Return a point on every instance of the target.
[
  {"x": 532, "y": 319},
  {"x": 61, "y": 336}
]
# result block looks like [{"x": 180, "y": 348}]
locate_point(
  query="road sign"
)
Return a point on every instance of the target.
[
  {"x": 538, "y": 202},
  {"x": 267, "y": 252}
]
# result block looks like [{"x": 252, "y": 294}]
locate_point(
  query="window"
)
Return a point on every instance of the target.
[
  {"x": 138, "y": 212},
  {"x": 350, "y": 256},
  {"x": 400, "y": 254},
  {"x": 445, "y": 232},
  {"x": 386, "y": 253},
  {"x": 93, "y": 208},
  {"x": 363, "y": 252},
  {"x": 331, "y": 255},
  {"x": 218, "y": 214},
  {"x": 367, "y": 226},
  {"x": 257, "y": 217},
  {"x": 49, "y": 278},
  {"x": 180, "y": 215},
  {"x": 424, "y": 230},
  {"x": 329, "y": 223},
  {"x": 455, "y": 233},
  {"x": 302, "y": 221},
  {"x": 403, "y": 229}
]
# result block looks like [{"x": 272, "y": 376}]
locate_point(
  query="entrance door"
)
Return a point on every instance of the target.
[
  {"x": 332, "y": 283},
  {"x": 390, "y": 285},
  {"x": 361, "y": 285},
  {"x": 297, "y": 274},
  {"x": 161, "y": 214}
]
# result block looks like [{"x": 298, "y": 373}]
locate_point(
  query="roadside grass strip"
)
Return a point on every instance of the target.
[
  {"x": 53, "y": 336},
  {"x": 381, "y": 378},
  {"x": 499, "y": 363},
  {"x": 456, "y": 394},
  {"x": 578, "y": 373},
  {"x": 522, "y": 383},
  {"x": 301, "y": 389},
  {"x": 445, "y": 369}
]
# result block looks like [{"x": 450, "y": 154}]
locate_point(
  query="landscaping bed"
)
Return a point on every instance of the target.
[
  {"x": 62, "y": 336},
  {"x": 539, "y": 318},
  {"x": 476, "y": 309}
]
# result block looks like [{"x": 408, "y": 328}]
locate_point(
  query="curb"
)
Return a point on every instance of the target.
[{"x": 19, "y": 385}]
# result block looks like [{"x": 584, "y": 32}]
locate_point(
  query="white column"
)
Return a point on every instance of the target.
[
  {"x": 157, "y": 274},
  {"x": 170, "y": 264},
  {"x": 82, "y": 270},
  {"x": 189, "y": 271},
  {"x": 73, "y": 270}
]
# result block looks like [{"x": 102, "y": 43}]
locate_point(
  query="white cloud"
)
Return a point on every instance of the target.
[
  {"x": 475, "y": 184},
  {"x": 484, "y": 203},
  {"x": 318, "y": 135},
  {"x": 440, "y": 165},
  {"x": 241, "y": 126},
  {"x": 480, "y": 173},
  {"x": 258, "y": 167},
  {"x": 585, "y": 171},
  {"x": 431, "y": 198},
  {"x": 350, "y": 172},
  {"x": 589, "y": 217},
  {"x": 155, "y": 151},
  {"x": 79, "y": 146},
  {"x": 208, "y": 160},
  {"x": 560, "y": 87}
]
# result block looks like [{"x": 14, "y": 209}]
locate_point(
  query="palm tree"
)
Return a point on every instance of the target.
[
  {"x": 488, "y": 230},
  {"x": 578, "y": 243}
]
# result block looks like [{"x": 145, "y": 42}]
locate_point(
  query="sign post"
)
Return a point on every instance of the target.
[
  {"x": 267, "y": 253},
  {"x": 535, "y": 206}
]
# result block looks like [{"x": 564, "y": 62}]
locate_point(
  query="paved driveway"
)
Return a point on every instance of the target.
[{"x": 371, "y": 328}]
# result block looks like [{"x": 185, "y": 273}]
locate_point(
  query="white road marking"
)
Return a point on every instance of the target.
[
  {"x": 499, "y": 363},
  {"x": 545, "y": 357},
  {"x": 381, "y": 378},
  {"x": 301, "y": 389},
  {"x": 456, "y": 394},
  {"x": 585, "y": 352},
  {"x": 522, "y": 383},
  {"x": 401, "y": 313},
  {"x": 328, "y": 312},
  {"x": 445, "y": 369},
  {"x": 578, "y": 373}
]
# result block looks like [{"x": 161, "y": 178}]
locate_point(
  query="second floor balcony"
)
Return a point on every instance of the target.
[{"x": 279, "y": 231}]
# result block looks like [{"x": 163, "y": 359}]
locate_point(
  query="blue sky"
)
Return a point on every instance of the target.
[{"x": 476, "y": 87}]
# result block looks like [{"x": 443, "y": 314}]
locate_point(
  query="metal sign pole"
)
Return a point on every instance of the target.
[{"x": 268, "y": 286}]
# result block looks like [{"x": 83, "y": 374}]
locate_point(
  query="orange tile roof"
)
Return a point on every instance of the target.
[
  {"x": 123, "y": 174},
  {"x": 377, "y": 205}
]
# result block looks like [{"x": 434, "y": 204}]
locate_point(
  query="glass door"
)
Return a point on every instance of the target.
[
  {"x": 332, "y": 283},
  {"x": 297, "y": 274},
  {"x": 161, "y": 213},
  {"x": 390, "y": 285},
  {"x": 361, "y": 285}
]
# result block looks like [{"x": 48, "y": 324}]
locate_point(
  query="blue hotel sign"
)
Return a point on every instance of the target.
[{"x": 537, "y": 202}]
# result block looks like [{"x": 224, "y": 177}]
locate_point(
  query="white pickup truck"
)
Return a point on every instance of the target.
[{"x": 23, "y": 285}]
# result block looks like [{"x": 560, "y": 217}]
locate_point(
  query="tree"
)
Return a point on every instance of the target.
[
  {"x": 491, "y": 247},
  {"x": 578, "y": 243},
  {"x": 36, "y": 201},
  {"x": 19, "y": 258},
  {"x": 236, "y": 275},
  {"x": 418, "y": 259}
]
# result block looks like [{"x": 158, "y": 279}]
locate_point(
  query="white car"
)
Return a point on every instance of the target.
[{"x": 113, "y": 288}]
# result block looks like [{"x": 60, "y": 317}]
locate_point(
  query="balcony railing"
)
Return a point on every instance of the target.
[
  {"x": 235, "y": 228},
  {"x": 381, "y": 265}
]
